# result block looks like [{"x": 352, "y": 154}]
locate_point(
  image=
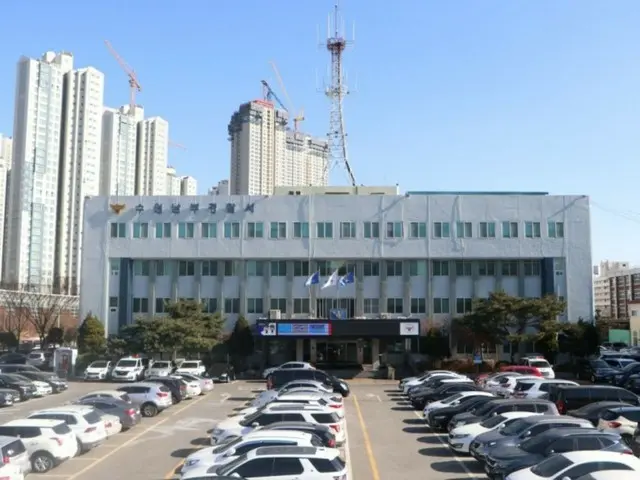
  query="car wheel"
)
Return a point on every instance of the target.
[
  {"x": 593, "y": 379},
  {"x": 149, "y": 410},
  {"x": 42, "y": 462}
]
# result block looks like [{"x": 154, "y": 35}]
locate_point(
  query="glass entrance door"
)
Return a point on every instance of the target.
[{"x": 335, "y": 353}]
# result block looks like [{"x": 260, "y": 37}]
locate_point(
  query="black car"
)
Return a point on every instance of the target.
[
  {"x": 440, "y": 418},
  {"x": 177, "y": 386},
  {"x": 13, "y": 358},
  {"x": 595, "y": 370},
  {"x": 9, "y": 397},
  {"x": 26, "y": 389},
  {"x": 440, "y": 393},
  {"x": 620, "y": 379},
  {"x": 128, "y": 414},
  {"x": 567, "y": 397},
  {"x": 278, "y": 378},
  {"x": 496, "y": 407},
  {"x": 504, "y": 461},
  {"x": 57, "y": 384},
  {"x": 323, "y": 432},
  {"x": 592, "y": 411}
]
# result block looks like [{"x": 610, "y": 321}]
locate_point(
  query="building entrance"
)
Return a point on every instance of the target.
[{"x": 337, "y": 353}]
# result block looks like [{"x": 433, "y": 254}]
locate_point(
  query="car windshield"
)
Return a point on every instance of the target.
[
  {"x": 226, "y": 445},
  {"x": 493, "y": 422},
  {"x": 189, "y": 365},
  {"x": 482, "y": 410},
  {"x": 599, "y": 364},
  {"x": 17, "y": 376},
  {"x": 551, "y": 466},
  {"x": 452, "y": 398},
  {"x": 161, "y": 365},
  {"x": 629, "y": 367},
  {"x": 127, "y": 363},
  {"x": 228, "y": 468},
  {"x": 514, "y": 428},
  {"x": 99, "y": 364},
  {"x": 533, "y": 445},
  {"x": 539, "y": 364},
  {"x": 35, "y": 355}
]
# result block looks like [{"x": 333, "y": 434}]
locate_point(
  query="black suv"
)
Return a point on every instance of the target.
[
  {"x": 439, "y": 393},
  {"x": 279, "y": 378},
  {"x": 595, "y": 370},
  {"x": 568, "y": 397}
]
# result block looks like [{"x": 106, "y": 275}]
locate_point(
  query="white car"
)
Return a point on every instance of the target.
[
  {"x": 299, "y": 464},
  {"x": 9, "y": 471},
  {"x": 406, "y": 380},
  {"x": 42, "y": 388},
  {"x": 453, "y": 400},
  {"x": 422, "y": 380},
  {"x": 294, "y": 398},
  {"x": 160, "y": 368},
  {"x": 541, "y": 364},
  {"x": 506, "y": 387},
  {"x": 267, "y": 396},
  {"x": 569, "y": 465},
  {"x": 112, "y": 423},
  {"x": 239, "y": 446},
  {"x": 288, "y": 366},
  {"x": 194, "y": 367},
  {"x": 98, "y": 370},
  {"x": 460, "y": 438},
  {"x": 193, "y": 386},
  {"x": 610, "y": 475},
  {"x": 620, "y": 420},
  {"x": 37, "y": 358},
  {"x": 536, "y": 387},
  {"x": 84, "y": 421},
  {"x": 206, "y": 384},
  {"x": 128, "y": 369},
  {"x": 304, "y": 383}
]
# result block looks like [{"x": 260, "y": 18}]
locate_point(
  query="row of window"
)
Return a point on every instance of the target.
[
  {"x": 279, "y": 268},
  {"x": 325, "y": 230}
]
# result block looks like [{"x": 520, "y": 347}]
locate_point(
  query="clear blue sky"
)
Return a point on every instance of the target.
[{"x": 458, "y": 95}]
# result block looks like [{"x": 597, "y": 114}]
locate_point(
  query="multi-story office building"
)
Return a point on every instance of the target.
[
  {"x": 419, "y": 255},
  {"x": 153, "y": 154},
  {"x": 222, "y": 188},
  {"x": 120, "y": 150},
  {"x": 265, "y": 155}
]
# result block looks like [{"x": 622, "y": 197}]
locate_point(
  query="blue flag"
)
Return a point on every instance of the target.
[
  {"x": 347, "y": 279},
  {"x": 313, "y": 280}
]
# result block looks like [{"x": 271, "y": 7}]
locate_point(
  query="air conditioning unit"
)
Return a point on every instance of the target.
[
  {"x": 113, "y": 309},
  {"x": 274, "y": 314}
]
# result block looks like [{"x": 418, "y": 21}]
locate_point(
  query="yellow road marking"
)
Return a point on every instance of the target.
[
  {"x": 172, "y": 473},
  {"x": 134, "y": 438},
  {"x": 375, "y": 474}
]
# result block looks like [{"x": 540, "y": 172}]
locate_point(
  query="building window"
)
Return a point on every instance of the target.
[
  {"x": 487, "y": 230},
  {"x": 417, "y": 268},
  {"x": 300, "y": 229},
  {"x": 301, "y": 305},
  {"x": 254, "y": 305},
  {"x": 140, "y": 305},
  {"x": 324, "y": 230},
  {"x": 279, "y": 304},
  {"x": 464, "y": 306},
  {"x": 210, "y": 305},
  {"x": 440, "y": 305},
  {"x": 118, "y": 230},
  {"x": 255, "y": 230},
  {"x": 555, "y": 229},
  {"x": 231, "y": 230},
  {"x": 209, "y": 268},
  {"x": 229, "y": 268},
  {"x": 371, "y": 269},
  {"x": 186, "y": 268},
  {"x": 463, "y": 268},
  {"x": 278, "y": 230},
  {"x": 114, "y": 264},
  {"x": 418, "y": 230},
  {"x": 371, "y": 230},
  {"x": 531, "y": 268},
  {"x": 301, "y": 268},
  {"x": 162, "y": 268},
  {"x": 487, "y": 268},
  {"x": 141, "y": 268},
  {"x": 279, "y": 268},
  {"x": 140, "y": 230},
  {"x": 418, "y": 305},
  {"x": 161, "y": 305},
  {"x": 255, "y": 268},
  {"x": 113, "y": 303},
  {"x": 371, "y": 306},
  {"x": 532, "y": 229},
  {"x": 163, "y": 230},
  {"x": 464, "y": 230},
  {"x": 441, "y": 230},
  {"x": 324, "y": 267},
  {"x": 347, "y": 229},
  {"x": 440, "y": 268},
  {"x": 394, "y": 305},
  {"x": 395, "y": 230},
  {"x": 231, "y": 305},
  {"x": 186, "y": 229},
  {"x": 394, "y": 268},
  {"x": 509, "y": 229},
  {"x": 510, "y": 268},
  {"x": 209, "y": 230}
]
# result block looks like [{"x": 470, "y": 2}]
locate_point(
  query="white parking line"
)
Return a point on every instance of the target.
[{"x": 468, "y": 472}]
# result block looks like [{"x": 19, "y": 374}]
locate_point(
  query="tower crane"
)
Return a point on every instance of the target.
[
  {"x": 300, "y": 116},
  {"x": 134, "y": 84},
  {"x": 177, "y": 145},
  {"x": 269, "y": 95}
]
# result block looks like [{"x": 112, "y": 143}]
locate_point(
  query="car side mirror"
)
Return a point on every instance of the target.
[
  {"x": 553, "y": 451},
  {"x": 255, "y": 424},
  {"x": 527, "y": 434},
  {"x": 230, "y": 453},
  {"x": 494, "y": 414}
]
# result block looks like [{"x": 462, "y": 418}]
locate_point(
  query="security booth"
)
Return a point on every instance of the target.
[{"x": 335, "y": 342}]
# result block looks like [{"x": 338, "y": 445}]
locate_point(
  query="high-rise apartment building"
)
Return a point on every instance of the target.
[
  {"x": 615, "y": 285},
  {"x": 37, "y": 140},
  {"x": 153, "y": 154},
  {"x": 188, "y": 186},
  {"x": 120, "y": 150},
  {"x": 265, "y": 155},
  {"x": 6, "y": 149},
  {"x": 79, "y": 173},
  {"x": 222, "y": 188},
  {"x": 177, "y": 185}
]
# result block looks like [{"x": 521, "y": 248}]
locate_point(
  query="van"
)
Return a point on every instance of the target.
[{"x": 571, "y": 397}]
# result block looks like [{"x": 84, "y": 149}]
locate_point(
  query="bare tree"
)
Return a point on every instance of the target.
[
  {"x": 16, "y": 302},
  {"x": 46, "y": 310}
]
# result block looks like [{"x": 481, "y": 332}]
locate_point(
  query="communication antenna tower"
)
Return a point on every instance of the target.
[{"x": 336, "y": 92}]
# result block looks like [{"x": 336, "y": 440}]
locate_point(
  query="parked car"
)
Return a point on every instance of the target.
[
  {"x": 443, "y": 391},
  {"x": 57, "y": 384},
  {"x": 18, "y": 368},
  {"x": 26, "y": 389},
  {"x": 13, "y": 358},
  {"x": 128, "y": 414},
  {"x": 153, "y": 398},
  {"x": 194, "y": 367},
  {"x": 595, "y": 370},
  {"x": 318, "y": 399},
  {"x": 537, "y": 388},
  {"x": 117, "y": 394},
  {"x": 279, "y": 378},
  {"x": 522, "y": 370},
  {"x": 42, "y": 388},
  {"x": 439, "y": 419},
  {"x": 128, "y": 369},
  {"x": 571, "y": 398},
  {"x": 192, "y": 386},
  {"x": 15, "y": 462},
  {"x": 98, "y": 370},
  {"x": 454, "y": 400},
  {"x": 539, "y": 362},
  {"x": 177, "y": 387},
  {"x": 206, "y": 384},
  {"x": 496, "y": 407},
  {"x": 620, "y": 420},
  {"x": 287, "y": 366},
  {"x": 325, "y": 433},
  {"x": 621, "y": 378},
  {"x": 160, "y": 368},
  {"x": 592, "y": 411}
]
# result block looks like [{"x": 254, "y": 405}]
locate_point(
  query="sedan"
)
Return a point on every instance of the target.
[
  {"x": 206, "y": 384},
  {"x": 57, "y": 384},
  {"x": 128, "y": 414}
]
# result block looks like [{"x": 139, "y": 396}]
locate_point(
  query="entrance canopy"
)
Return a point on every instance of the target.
[{"x": 338, "y": 328}]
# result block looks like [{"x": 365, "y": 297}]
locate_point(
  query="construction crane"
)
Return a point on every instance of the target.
[
  {"x": 298, "y": 118},
  {"x": 134, "y": 84},
  {"x": 269, "y": 95},
  {"x": 177, "y": 145}
]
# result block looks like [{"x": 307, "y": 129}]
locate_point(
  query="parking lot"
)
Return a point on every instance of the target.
[{"x": 385, "y": 437}]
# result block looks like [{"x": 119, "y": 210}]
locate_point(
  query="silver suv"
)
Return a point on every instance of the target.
[{"x": 152, "y": 397}]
